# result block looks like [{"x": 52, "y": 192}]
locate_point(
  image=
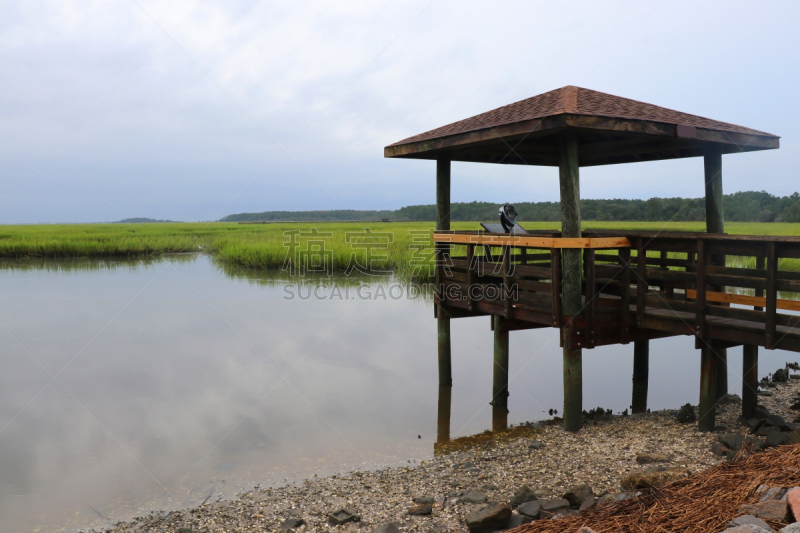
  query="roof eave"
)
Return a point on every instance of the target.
[{"x": 737, "y": 142}]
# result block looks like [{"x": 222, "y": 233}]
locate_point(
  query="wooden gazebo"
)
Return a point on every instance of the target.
[{"x": 590, "y": 285}]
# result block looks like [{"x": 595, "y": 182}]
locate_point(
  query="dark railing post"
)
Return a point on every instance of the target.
[
  {"x": 470, "y": 274},
  {"x": 641, "y": 282},
  {"x": 555, "y": 278},
  {"x": 772, "y": 296},
  {"x": 591, "y": 303},
  {"x": 700, "y": 300},
  {"x": 625, "y": 299},
  {"x": 506, "y": 285}
]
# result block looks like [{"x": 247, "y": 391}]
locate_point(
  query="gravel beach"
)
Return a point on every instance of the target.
[{"x": 546, "y": 459}]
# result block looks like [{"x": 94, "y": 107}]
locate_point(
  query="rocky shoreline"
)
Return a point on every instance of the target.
[{"x": 609, "y": 455}]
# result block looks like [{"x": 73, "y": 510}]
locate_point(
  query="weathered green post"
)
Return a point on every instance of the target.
[
  {"x": 443, "y": 414},
  {"x": 569, "y": 181},
  {"x": 500, "y": 376},
  {"x": 442, "y": 224},
  {"x": 641, "y": 371},
  {"x": 715, "y": 223}
]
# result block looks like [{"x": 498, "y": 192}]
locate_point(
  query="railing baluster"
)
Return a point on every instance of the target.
[
  {"x": 761, "y": 262},
  {"x": 506, "y": 287},
  {"x": 591, "y": 286},
  {"x": 641, "y": 283},
  {"x": 625, "y": 317},
  {"x": 470, "y": 275},
  {"x": 772, "y": 295},
  {"x": 700, "y": 326},
  {"x": 555, "y": 278}
]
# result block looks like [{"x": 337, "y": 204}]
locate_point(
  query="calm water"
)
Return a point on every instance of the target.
[{"x": 126, "y": 387}]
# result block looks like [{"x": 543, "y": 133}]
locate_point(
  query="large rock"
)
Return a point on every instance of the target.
[
  {"x": 427, "y": 500},
  {"x": 772, "y": 510},
  {"x": 793, "y": 499},
  {"x": 517, "y": 520},
  {"x": 578, "y": 494},
  {"x": 777, "y": 438},
  {"x": 735, "y": 441},
  {"x": 791, "y": 528},
  {"x": 524, "y": 494},
  {"x": 747, "y": 520},
  {"x": 777, "y": 421},
  {"x": 530, "y": 509},
  {"x": 651, "y": 477},
  {"x": 422, "y": 509},
  {"x": 491, "y": 517},
  {"x": 686, "y": 414},
  {"x": 746, "y": 529},
  {"x": 555, "y": 504},
  {"x": 474, "y": 496}
]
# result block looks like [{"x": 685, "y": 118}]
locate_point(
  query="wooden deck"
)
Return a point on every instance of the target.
[{"x": 682, "y": 288}]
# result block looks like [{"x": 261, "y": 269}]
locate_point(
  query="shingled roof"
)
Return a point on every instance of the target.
[
  {"x": 579, "y": 101},
  {"x": 585, "y": 109}
]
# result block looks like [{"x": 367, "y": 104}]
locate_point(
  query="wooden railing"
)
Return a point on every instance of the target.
[{"x": 683, "y": 287}]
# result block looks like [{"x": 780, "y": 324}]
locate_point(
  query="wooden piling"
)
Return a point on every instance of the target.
[
  {"x": 708, "y": 388},
  {"x": 443, "y": 415},
  {"x": 715, "y": 223},
  {"x": 641, "y": 371},
  {"x": 569, "y": 180},
  {"x": 749, "y": 379},
  {"x": 442, "y": 224},
  {"x": 500, "y": 373}
]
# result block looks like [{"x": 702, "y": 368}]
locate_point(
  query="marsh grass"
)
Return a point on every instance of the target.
[{"x": 402, "y": 249}]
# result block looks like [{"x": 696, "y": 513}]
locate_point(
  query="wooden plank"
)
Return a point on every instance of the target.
[
  {"x": 741, "y": 299},
  {"x": 470, "y": 274},
  {"x": 532, "y": 242}
]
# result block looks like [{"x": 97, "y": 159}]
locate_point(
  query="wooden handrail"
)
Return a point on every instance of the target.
[
  {"x": 532, "y": 241},
  {"x": 743, "y": 299}
]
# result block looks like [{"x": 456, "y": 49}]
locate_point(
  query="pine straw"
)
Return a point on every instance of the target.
[{"x": 702, "y": 503}]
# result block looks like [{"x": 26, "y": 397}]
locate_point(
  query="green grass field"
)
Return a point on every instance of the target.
[{"x": 398, "y": 247}]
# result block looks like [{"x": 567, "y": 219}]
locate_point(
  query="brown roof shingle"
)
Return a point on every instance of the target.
[{"x": 580, "y": 101}]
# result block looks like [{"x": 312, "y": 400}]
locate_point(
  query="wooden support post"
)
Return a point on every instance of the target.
[
  {"x": 443, "y": 416},
  {"x": 569, "y": 181},
  {"x": 500, "y": 373},
  {"x": 708, "y": 387},
  {"x": 749, "y": 379},
  {"x": 641, "y": 371},
  {"x": 715, "y": 223},
  {"x": 443, "y": 224}
]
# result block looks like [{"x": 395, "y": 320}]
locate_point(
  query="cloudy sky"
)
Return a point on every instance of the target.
[{"x": 192, "y": 110}]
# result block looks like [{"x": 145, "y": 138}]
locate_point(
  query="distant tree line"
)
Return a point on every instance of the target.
[{"x": 738, "y": 207}]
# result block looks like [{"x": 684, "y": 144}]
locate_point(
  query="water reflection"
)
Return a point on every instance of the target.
[{"x": 180, "y": 380}]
